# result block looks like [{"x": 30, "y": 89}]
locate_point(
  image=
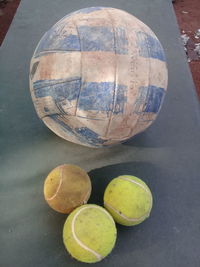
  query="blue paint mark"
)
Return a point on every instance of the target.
[
  {"x": 34, "y": 68},
  {"x": 139, "y": 103},
  {"x": 149, "y": 46},
  {"x": 96, "y": 96},
  {"x": 121, "y": 98},
  {"x": 83, "y": 134},
  {"x": 92, "y": 119},
  {"x": 70, "y": 42},
  {"x": 90, "y": 136},
  {"x": 64, "y": 126},
  {"x": 121, "y": 41},
  {"x": 154, "y": 99},
  {"x": 57, "y": 39},
  {"x": 59, "y": 89},
  {"x": 151, "y": 97},
  {"x": 96, "y": 38},
  {"x": 88, "y": 10},
  {"x": 103, "y": 39}
]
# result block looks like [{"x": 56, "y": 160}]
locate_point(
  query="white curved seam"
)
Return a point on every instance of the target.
[
  {"x": 141, "y": 185},
  {"x": 98, "y": 256},
  {"x": 58, "y": 188},
  {"x": 124, "y": 216},
  {"x": 134, "y": 182}
]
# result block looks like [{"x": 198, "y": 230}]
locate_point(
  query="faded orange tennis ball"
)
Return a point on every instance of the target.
[{"x": 67, "y": 187}]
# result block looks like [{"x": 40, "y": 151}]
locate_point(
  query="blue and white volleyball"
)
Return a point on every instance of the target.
[{"x": 98, "y": 77}]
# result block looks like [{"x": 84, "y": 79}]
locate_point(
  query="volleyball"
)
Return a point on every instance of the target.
[{"x": 98, "y": 77}]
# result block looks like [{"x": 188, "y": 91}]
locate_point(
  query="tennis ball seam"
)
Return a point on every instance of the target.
[
  {"x": 58, "y": 188},
  {"x": 144, "y": 187},
  {"x": 134, "y": 182},
  {"x": 98, "y": 256},
  {"x": 125, "y": 217},
  {"x": 141, "y": 185}
]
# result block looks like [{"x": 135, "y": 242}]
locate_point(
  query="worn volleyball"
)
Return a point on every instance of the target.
[
  {"x": 98, "y": 77},
  {"x": 128, "y": 199},
  {"x": 89, "y": 233},
  {"x": 67, "y": 187}
]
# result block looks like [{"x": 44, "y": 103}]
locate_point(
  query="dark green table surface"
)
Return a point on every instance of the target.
[{"x": 166, "y": 156}]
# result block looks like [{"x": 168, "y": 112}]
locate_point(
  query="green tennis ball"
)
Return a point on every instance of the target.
[
  {"x": 89, "y": 233},
  {"x": 128, "y": 199}
]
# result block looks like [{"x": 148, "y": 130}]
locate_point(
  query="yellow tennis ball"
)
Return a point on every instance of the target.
[
  {"x": 128, "y": 199},
  {"x": 67, "y": 187},
  {"x": 89, "y": 233}
]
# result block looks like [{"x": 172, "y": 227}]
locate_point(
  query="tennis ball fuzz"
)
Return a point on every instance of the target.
[
  {"x": 128, "y": 199},
  {"x": 89, "y": 233},
  {"x": 67, "y": 187}
]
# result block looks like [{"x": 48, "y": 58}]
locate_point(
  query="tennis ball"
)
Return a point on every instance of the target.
[
  {"x": 67, "y": 187},
  {"x": 128, "y": 199},
  {"x": 89, "y": 233}
]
